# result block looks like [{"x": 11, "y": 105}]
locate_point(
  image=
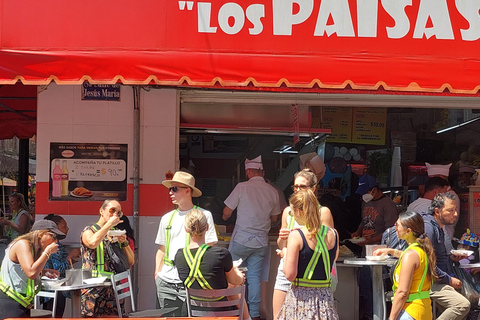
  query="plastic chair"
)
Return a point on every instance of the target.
[
  {"x": 39, "y": 313},
  {"x": 203, "y": 303},
  {"x": 124, "y": 290}
]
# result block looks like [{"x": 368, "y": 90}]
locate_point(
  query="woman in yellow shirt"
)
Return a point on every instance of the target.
[{"x": 414, "y": 272}]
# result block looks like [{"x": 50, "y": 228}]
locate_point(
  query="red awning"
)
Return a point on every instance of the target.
[
  {"x": 18, "y": 111},
  {"x": 429, "y": 46}
]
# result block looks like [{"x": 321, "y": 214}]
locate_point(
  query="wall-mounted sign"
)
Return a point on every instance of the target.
[
  {"x": 103, "y": 92},
  {"x": 352, "y": 125},
  {"x": 88, "y": 171}
]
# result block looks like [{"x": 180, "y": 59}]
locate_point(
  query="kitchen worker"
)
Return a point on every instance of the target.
[
  {"x": 433, "y": 186},
  {"x": 257, "y": 205},
  {"x": 171, "y": 237}
]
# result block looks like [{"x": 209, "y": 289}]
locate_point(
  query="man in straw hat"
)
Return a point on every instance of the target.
[
  {"x": 171, "y": 237},
  {"x": 257, "y": 204}
]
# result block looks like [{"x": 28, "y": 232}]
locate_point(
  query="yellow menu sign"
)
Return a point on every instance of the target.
[
  {"x": 352, "y": 125},
  {"x": 339, "y": 120},
  {"x": 369, "y": 125}
]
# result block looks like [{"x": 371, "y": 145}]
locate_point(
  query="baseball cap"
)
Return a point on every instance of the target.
[
  {"x": 48, "y": 225},
  {"x": 366, "y": 183}
]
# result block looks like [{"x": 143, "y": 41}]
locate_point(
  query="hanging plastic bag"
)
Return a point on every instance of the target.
[{"x": 469, "y": 289}]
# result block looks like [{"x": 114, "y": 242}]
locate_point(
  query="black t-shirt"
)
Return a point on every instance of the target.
[{"x": 215, "y": 262}]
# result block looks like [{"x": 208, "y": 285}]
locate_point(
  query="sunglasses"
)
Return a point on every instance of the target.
[
  {"x": 113, "y": 210},
  {"x": 175, "y": 189},
  {"x": 53, "y": 235},
  {"x": 299, "y": 187}
]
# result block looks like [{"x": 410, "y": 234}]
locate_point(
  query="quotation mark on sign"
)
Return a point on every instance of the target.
[{"x": 181, "y": 5}]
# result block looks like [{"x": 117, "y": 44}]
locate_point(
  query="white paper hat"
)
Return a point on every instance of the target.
[
  {"x": 466, "y": 168},
  {"x": 254, "y": 163},
  {"x": 313, "y": 162},
  {"x": 438, "y": 169}
]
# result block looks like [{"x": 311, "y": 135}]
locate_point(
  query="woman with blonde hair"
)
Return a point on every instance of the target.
[
  {"x": 24, "y": 261},
  {"x": 302, "y": 180},
  {"x": 308, "y": 258},
  {"x": 215, "y": 265},
  {"x": 414, "y": 272},
  {"x": 20, "y": 222}
]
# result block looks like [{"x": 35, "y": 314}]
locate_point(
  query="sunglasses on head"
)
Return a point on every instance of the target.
[
  {"x": 113, "y": 210},
  {"x": 175, "y": 189}
]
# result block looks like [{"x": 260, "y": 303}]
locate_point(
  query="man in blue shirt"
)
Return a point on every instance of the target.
[{"x": 443, "y": 211}]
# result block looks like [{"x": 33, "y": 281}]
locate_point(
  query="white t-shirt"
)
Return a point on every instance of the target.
[
  {"x": 178, "y": 239},
  {"x": 255, "y": 201},
  {"x": 419, "y": 206}
]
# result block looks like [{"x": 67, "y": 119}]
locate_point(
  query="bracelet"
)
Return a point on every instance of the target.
[
  {"x": 395, "y": 253},
  {"x": 125, "y": 244},
  {"x": 47, "y": 254}
]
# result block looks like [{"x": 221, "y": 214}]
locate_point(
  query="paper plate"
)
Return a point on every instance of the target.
[
  {"x": 356, "y": 240},
  {"x": 461, "y": 252},
  {"x": 116, "y": 233},
  {"x": 377, "y": 258}
]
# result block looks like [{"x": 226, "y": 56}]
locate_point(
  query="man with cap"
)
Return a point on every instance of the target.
[
  {"x": 379, "y": 212},
  {"x": 257, "y": 205},
  {"x": 171, "y": 237}
]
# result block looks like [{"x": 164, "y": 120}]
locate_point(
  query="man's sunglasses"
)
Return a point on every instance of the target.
[
  {"x": 175, "y": 189},
  {"x": 113, "y": 210}
]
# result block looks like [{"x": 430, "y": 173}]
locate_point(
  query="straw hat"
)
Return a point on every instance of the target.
[{"x": 186, "y": 179}]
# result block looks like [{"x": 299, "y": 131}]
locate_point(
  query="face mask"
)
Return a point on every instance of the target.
[{"x": 367, "y": 197}]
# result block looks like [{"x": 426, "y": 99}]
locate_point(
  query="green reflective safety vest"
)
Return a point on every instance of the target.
[
  {"x": 195, "y": 274},
  {"x": 99, "y": 270},
  {"x": 168, "y": 235},
  {"x": 419, "y": 294},
  {"x": 320, "y": 251},
  {"x": 25, "y": 300}
]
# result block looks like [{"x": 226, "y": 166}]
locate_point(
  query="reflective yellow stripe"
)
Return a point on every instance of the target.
[
  {"x": 25, "y": 301},
  {"x": 99, "y": 271},
  {"x": 418, "y": 296},
  {"x": 168, "y": 236},
  {"x": 319, "y": 251}
]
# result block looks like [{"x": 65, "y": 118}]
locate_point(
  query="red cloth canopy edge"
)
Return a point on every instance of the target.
[{"x": 166, "y": 43}]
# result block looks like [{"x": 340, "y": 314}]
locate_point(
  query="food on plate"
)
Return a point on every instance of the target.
[
  {"x": 377, "y": 258},
  {"x": 82, "y": 192},
  {"x": 344, "y": 251},
  {"x": 461, "y": 252}
]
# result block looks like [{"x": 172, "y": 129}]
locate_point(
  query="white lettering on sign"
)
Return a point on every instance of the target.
[{"x": 334, "y": 17}]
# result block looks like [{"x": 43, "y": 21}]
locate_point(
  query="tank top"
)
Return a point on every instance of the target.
[
  {"x": 419, "y": 308},
  {"x": 306, "y": 254},
  {"x": 12, "y": 274}
]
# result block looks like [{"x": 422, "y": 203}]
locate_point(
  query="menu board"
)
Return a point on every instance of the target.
[
  {"x": 369, "y": 125},
  {"x": 339, "y": 120},
  {"x": 88, "y": 172},
  {"x": 359, "y": 125}
]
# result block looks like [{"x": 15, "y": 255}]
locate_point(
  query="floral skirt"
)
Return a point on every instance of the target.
[
  {"x": 308, "y": 303},
  {"x": 98, "y": 301}
]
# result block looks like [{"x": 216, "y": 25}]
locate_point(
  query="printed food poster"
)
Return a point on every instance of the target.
[{"x": 88, "y": 172}]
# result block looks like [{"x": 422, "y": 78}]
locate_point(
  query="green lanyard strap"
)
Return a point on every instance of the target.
[
  {"x": 168, "y": 235},
  {"x": 320, "y": 251},
  {"x": 99, "y": 270},
  {"x": 419, "y": 294}
]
